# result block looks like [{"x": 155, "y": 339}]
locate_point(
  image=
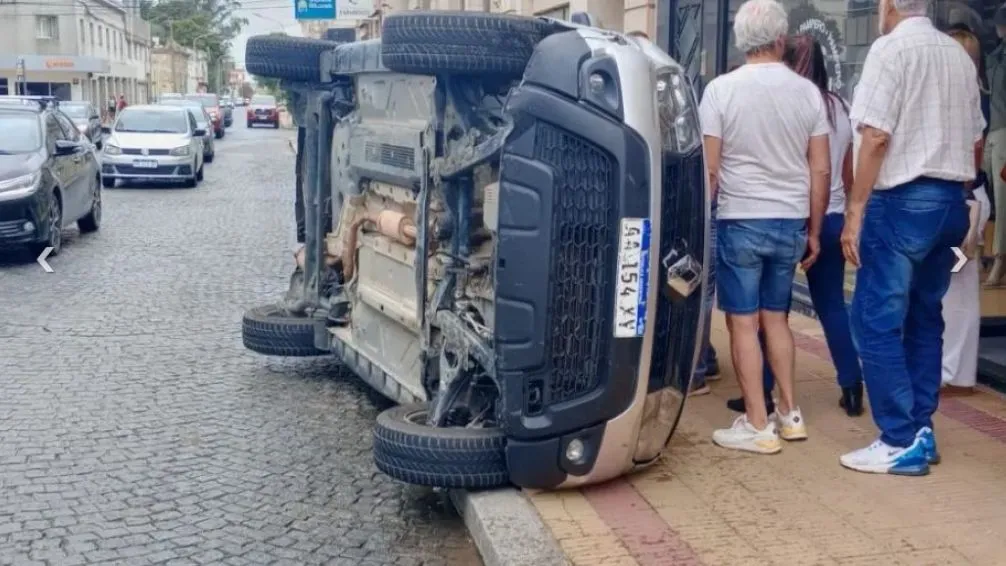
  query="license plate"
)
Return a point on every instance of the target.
[
  {"x": 633, "y": 277},
  {"x": 144, "y": 164}
]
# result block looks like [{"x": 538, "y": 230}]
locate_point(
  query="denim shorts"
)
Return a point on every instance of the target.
[{"x": 755, "y": 263}]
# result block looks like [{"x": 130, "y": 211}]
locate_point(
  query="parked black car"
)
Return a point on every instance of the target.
[
  {"x": 49, "y": 175},
  {"x": 87, "y": 119}
]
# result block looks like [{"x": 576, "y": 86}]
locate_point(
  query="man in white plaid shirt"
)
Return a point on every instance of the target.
[{"x": 917, "y": 118}]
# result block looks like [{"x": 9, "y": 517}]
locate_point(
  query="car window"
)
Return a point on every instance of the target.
[
  {"x": 80, "y": 112},
  {"x": 207, "y": 100},
  {"x": 263, "y": 100},
  {"x": 152, "y": 121},
  {"x": 19, "y": 132},
  {"x": 69, "y": 130},
  {"x": 192, "y": 123},
  {"x": 53, "y": 132}
]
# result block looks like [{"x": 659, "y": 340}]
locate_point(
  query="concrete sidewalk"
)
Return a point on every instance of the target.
[{"x": 705, "y": 505}]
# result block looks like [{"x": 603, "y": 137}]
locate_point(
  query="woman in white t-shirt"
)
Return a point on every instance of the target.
[{"x": 826, "y": 278}]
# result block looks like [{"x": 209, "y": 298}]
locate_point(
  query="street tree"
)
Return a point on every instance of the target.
[{"x": 206, "y": 25}]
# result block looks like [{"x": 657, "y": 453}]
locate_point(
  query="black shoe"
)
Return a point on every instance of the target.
[
  {"x": 852, "y": 400},
  {"x": 713, "y": 369},
  {"x": 738, "y": 406}
]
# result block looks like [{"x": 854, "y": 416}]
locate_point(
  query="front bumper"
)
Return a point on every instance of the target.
[
  {"x": 22, "y": 219},
  {"x": 168, "y": 167}
]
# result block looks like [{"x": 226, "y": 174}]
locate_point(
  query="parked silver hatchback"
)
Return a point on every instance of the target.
[{"x": 153, "y": 143}]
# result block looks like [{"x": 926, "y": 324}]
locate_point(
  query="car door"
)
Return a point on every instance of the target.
[
  {"x": 77, "y": 194},
  {"x": 196, "y": 142},
  {"x": 62, "y": 165},
  {"x": 93, "y": 124}
]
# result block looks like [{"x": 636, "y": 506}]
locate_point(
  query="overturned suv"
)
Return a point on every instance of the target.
[{"x": 505, "y": 224}]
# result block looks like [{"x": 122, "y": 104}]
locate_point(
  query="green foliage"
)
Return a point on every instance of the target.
[{"x": 206, "y": 25}]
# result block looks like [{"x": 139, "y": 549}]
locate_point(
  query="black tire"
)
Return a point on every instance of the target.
[
  {"x": 250, "y": 125},
  {"x": 459, "y": 458},
  {"x": 219, "y": 133},
  {"x": 287, "y": 58},
  {"x": 92, "y": 222},
  {"x": 199, "y": 174},
  {"x": 209, "y": 158},
  {"x": 271, "y": 331},
  {"x": 54, "y": 231},
  {"x": 275, "y": 125},
  {"x": 471, "y": 43},
  {"x": 108, "y": 182}
]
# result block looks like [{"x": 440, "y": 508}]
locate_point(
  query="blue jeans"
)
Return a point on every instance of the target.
[
  {"x": 826, "y": 282},
  {"x": 755, "y": 263},
  {"x": 897, "y": 311},
  {"x": 708, "y": 355}
]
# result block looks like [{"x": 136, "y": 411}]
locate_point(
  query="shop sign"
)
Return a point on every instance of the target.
[
  {"x": 353, "y": 9},
  {"x": 59, "y": 64},
  {"x": 819, "y": 31}
]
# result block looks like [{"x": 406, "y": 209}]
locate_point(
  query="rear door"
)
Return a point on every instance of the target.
[{"x": 78, "y": 198}]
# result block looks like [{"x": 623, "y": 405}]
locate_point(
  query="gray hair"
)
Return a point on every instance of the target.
[
  {"x": 760, "y": 23},
  {"x": 911, "y": 7}
]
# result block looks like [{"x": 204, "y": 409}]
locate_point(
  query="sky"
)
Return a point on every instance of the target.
[{"x": 266, "y": 19}]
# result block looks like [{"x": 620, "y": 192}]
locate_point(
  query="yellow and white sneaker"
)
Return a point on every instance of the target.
[
  {"x": 791, "y": 425},
  {"x": 742, "y": 436}
]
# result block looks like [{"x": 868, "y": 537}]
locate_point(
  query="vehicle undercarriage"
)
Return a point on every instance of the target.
[{"x": 468, "y": 207}]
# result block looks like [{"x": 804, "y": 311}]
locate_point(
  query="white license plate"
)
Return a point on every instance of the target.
[
  {"x": 144, "y": 164},
  {"x": 633, "y": 277}
]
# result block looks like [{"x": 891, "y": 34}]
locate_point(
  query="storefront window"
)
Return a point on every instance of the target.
[{"x": 846, "y": 30}]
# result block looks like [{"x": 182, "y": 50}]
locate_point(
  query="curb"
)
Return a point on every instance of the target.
[{"x": 507, "y": 529}]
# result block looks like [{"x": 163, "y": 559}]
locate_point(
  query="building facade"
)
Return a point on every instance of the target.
[
  {"x": 169, "y": 70},
  {"x": 75, "y": 49}
]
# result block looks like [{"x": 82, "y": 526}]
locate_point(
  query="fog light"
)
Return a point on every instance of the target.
[
  {"x": 574, "y": 451},
  {"x": 597, "y": 83},
  {"x": 28, "y": 226}
]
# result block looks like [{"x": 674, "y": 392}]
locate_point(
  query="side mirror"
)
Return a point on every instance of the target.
[
  {"x": 199, "y": 133},
  {"x": 106, "y": 129},
  {"x": 67, "y": 147}
]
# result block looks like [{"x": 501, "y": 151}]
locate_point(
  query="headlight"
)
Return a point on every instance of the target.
[
  {"x": 180, "y": 151},
  {"x": 82, "y": 128},
  {"x": 678, "y": 111},
  {"x": 112, "y": 149},
  {"x": 22, "y": 183}
]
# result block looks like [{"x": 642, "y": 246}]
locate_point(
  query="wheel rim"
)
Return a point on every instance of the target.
[
  {"x": 55, "y": 224},
  {"x": 96, "y": 205}
]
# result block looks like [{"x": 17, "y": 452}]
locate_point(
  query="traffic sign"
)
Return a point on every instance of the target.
[{"x": 314, "y": 9}]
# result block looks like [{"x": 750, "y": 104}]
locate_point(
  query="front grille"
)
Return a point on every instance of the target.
[
  {"x": 134, "y": 151},
  {"x": 398, "y": 156},
  {"x": 159, "y": 170},
  {"x": 580, "y": 270},
  {"x": 682, "y": 219}
]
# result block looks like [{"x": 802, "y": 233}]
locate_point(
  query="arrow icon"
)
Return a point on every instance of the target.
[
  {"x": 41, "y": 259},
  {"x": 961, "y": 260}
]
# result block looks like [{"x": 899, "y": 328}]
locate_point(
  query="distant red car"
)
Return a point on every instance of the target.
[
  {"x": 263, "y": 110},
  {"x": 211, "y": 102}
]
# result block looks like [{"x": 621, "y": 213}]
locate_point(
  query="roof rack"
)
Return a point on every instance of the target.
[{"x": 42, "y": 101}]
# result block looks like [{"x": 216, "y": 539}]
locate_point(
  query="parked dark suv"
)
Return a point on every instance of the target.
[
  {"x": 85, "y": 117},
  {"x": 49, "y": 175}
]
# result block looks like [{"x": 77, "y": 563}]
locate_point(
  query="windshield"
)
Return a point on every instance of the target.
[
  {"x": 207, "y": 100},
  {"x": 19, "y": 133},
  {"x": 263, "y": 99},
  {"x": 152, "y": 121},
  {"x": 75, "y": 111}
]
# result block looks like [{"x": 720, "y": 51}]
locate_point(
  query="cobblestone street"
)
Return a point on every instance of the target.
[{"x": 136, "y": 429}]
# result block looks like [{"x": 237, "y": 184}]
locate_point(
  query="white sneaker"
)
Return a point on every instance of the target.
[
  {"x": 791, "y": 425},
  {"x": 882, "y": 458},
  {"x": 742, "y": 436}
]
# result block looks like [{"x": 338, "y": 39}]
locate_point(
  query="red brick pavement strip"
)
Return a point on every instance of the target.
[
  {"x": 652, "y": 542},
  {"x": 645, "y": 534},
  {"x": 960, "y": 411}
]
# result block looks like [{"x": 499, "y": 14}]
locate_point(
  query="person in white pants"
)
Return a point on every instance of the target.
[{"x": 962, "y": 303}]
